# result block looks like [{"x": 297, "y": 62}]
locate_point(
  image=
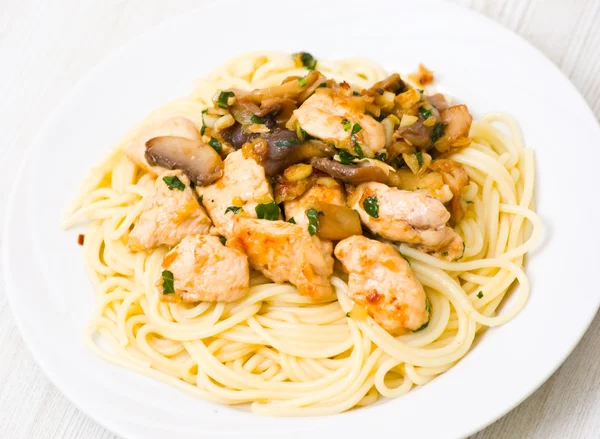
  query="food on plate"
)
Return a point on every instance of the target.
[{"x": 306, "y": 236}]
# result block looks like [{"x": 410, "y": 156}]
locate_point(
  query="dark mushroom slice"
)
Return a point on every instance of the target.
[
  {"x": 353, "y": 174},
  {"x": 392, "y": 83},
  {"x": 291, "y": 89},
  {"x": 281, "y": 148},
  {"x": 199, "y": 161},
  {"x": 438, "y": 101}
]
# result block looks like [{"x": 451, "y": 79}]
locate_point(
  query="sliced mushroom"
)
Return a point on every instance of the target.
[
  {"x": 290, "y": 90},
  {"x": 277, "y": 150},
  {"x": 438, "y": 101},
  {"x": 353, "y": 174},
  {"x": 199, "y": 161},
  {"x": 392, "y": 83}
]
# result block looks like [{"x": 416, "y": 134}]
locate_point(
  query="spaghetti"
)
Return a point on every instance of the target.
[{"x": 275, "y": 349}]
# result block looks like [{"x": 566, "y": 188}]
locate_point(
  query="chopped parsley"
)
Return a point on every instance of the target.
[
  {"x": 168, "y": 282},
  {"x": 356, "y": 128},
  {"x": 424, "y": 112},
  {"x": 291, "y": 220},
  {"x": 345, "y": 157},
  {"x": 428, "y": 309},
  {"x": 445, "y": 254},
  {"x": 381, "y": 156},
  {"x": 322, "y": 84},
  {"x": 215, "y": 144},
  {"x": 307, "y": 59},
  {"x": 234, "y": 209},
  {"x": 348, "y": 314},
  {"x": 469, "y": 202},
  {"x": 437, "y": 131},
  {"x": 358, "y": 150},
  {"x": 268, "y": 211},
  {"x": 313, "y": 220},
  {"x": 419, "y": 156},
  {"x": 346, "y": 124},
  {"x": 284, "y": 143},
  {"x": 480, "y": 294},
  {"x": 304, "y": 135},
  {"x": 203, "y": 129},
  {"x": 257, "y": 119},
  {"x": 355, "y": 93},
  {"x": 302, "y": 81},
  {"x": 224, "y": 98},
  {"x": 222, "y": 239},
  {"x": 173, "y": 182},
  {"x": 371, "y": 206},
  {"x": 420, "y": 90}
]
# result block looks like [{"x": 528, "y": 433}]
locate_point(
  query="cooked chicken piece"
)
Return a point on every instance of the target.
[
  {"x": 322, "y": 114},
  {"x": 169, "y": 214},
  {"x": 243, "y": 185},
  {"x": 286, "y": 252},
  {"x": 177, "y": 126},
  {"x": 297, "y": 208},
  {"x": 458, "y": 123},
  {"x": 406, "y": 216},
  {"x": 205, "y": 270},
  {"x": 383, "y": 282}
]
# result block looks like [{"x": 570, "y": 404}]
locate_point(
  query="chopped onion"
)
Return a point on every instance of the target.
[{"x": 408, "y": 120}]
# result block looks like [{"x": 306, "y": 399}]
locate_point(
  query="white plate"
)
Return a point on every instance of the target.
[{"x": 486, "y": 66}]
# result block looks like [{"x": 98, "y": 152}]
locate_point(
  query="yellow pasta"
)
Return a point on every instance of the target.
[{"x": 274, "y": 349}]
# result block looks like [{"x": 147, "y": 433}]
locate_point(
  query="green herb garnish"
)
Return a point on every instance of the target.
[
  {"x": 428, "y": 309},
  {"x": 313, "y": 220},
  {"x": 257, "y": 119},
  {"x": 322, "y": 84},
  {"x": 424, "y": 112},
  {"x": 287, "y": 142},
  {"x": 215, "y": 144},
  {"x": 173, "y": 182},
  {"x": 304, "y": 135},
  {"x": 469, "y": 202},
  {"x": 381, "y": 156},
  {"x": 355, "y": 93},
  {"x": 224, "y": 98},
  {"x": 445, "y": 254},
  {"x": 348, "y": 314},
  {"x": 302, "y": 81},
  {"x": 371, "y": 206},
  {"x": 291, "y": 220},
  {"x": 307, "y": 59},
  {"x": 358, "y": 150},
  {"x": 419, "y": 156},
  {"x": 168, "y": 282},
  {"x": 222, "y": 239},
  {"x": 480, "y": 294},
  {"x": 356, "y": 128},
  {"x": 437, "y": 131},
  {"x": 234, "y": 209},
  {"x": 203, "y": 129},
  {"x": 268, "y": 211},
  {"x": 345, "y": 157},
  {"x": 420, "y": 90},
  {"x": 346, "y": 124}
]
